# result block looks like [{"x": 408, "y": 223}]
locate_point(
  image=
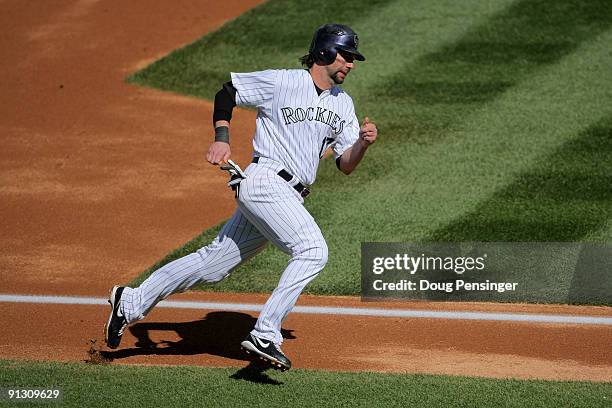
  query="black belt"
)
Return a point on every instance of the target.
[{"x": 302, "y": 189}]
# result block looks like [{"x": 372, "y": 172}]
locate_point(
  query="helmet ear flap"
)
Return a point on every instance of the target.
[{"x": 326, "y": 55}]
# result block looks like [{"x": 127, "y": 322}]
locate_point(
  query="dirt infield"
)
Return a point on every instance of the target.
[
  {"x": 331, "y": 342},
  {"x": 90, "y": 166}
]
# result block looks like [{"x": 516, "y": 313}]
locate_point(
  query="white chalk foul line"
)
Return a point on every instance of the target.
[{"x": 350, "y": 311}]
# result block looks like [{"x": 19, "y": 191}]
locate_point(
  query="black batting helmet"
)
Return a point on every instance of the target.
[{"x": 331, "y": 38}]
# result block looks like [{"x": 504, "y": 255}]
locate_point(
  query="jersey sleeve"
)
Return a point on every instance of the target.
[
  {"x": 348, "y": 136},
  {"x": 254, "y": 88}
]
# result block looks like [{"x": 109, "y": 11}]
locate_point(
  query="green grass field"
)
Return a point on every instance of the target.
[
  {"x": 495, "y": 124},
  {"x": 86, "y": 386}
]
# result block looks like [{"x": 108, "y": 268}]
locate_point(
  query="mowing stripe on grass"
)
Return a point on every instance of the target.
[
  {"x": 349, "y": 311},
  {"x": 412, "y": 31},
  {"x": 565, "y": 197},
  {"x": 488, "y": 60}
]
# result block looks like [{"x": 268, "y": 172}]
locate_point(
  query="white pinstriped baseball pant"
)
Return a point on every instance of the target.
[{"x": 269, "y": 209}]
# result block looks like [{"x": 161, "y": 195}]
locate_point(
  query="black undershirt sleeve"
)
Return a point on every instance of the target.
[{"x": 225, "y": 100}]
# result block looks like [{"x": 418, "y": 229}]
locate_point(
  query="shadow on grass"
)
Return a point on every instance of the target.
[
  {"x": 218, "y": 334},
  {"x": 255, "y": 373}
]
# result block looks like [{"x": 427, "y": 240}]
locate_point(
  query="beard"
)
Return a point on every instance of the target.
[{"x": 337, "y": 78}]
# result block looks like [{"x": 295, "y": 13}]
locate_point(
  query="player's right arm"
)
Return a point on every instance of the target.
[
  {"x": 245, "y": 89},
  {"x": 219, "y": 151},
  {"x": 225, "y": 100}
]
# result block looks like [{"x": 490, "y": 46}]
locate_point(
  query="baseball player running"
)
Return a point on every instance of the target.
[{"x": 300, "y": 114}]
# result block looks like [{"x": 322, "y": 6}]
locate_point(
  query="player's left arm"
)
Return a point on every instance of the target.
[{"x": 353, "y": 155}]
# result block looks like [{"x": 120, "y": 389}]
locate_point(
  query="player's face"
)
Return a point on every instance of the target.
[{"x": 339, "y": 69}]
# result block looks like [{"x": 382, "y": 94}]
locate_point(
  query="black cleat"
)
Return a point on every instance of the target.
[
  {"x": 113, "y": 329},
  {"x": 266, "y": 350}
]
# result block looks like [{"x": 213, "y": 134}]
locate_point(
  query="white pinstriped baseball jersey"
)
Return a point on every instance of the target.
[{"x": 295, "y": 125}]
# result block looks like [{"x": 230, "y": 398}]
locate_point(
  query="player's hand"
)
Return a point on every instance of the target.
[
  {"x": 218, "y": 153},
  {"x": 368, "y": 132}
]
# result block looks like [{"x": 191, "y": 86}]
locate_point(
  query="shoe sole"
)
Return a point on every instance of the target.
[
  {"x": 249, "y": 348},
  {"x": 111, "y": 301}
]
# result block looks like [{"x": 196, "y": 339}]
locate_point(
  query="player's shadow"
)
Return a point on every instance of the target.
[
  {"x": 217, "y": 333},
  {"x": 255, "y": 372}
]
